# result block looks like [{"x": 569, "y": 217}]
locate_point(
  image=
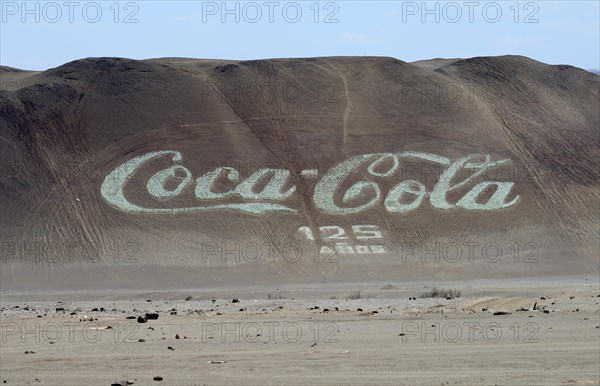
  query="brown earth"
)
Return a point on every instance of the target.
[{"x": 65, "y": 129}]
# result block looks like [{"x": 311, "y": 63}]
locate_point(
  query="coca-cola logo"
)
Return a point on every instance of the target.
[{"x": 273, "y": 195}]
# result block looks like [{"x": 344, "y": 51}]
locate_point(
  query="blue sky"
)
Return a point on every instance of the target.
[{"x": 555, "y": 32}]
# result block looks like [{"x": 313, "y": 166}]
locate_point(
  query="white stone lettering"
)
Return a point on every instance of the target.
[{"x": 265, "y": 190}]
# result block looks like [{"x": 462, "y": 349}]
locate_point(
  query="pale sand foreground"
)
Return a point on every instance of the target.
[{"x": 445, "y": 342}]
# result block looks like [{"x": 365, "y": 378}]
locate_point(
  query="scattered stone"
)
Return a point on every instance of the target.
[
  {"x": 544, "y": 298},
  {"x": 29, "y": 352},
  {"x": 217, "y": 362},
  {"x": 359, "y": 309},
  {"x": 130, "y": 381},
  {"x": 142, "y": 319},
  {"x": 173, "y": 312},
  {"x": 130, "y": 317},
  {"x": 546, "y": 311},
  {"x": 501, "y": 313},
  {"x": 157, "y": 378},
  {"x": 141, "y": 340},
  {"x": 374, "y": 312},
  {"x": 401, "y": 334},
  {"x": 94, "y": 309},
  {"x": 149, "y": 300},
  {"x": 325, "y": 309},
  {"x": 235, "y": 301},
  {"x": 171, "y": 348},
  {"x": 313, "y": 345},
  {"x": 177, "y": 336},
  {"x": 60, "y": 309},
  {"x": 571, "y": 297},
  {"x": 188, "y": 298},
  {"x": 152, "y": 316}
]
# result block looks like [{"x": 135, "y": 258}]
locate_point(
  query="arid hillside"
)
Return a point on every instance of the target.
[{"x": 174, "y": 172}]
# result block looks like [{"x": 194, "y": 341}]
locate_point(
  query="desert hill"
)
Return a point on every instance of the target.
[{"x": 181, "y": 172}]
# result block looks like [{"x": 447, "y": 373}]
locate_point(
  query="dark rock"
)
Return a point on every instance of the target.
[
  {"x": 141, "y": 340},
  {"x": 152, "y": 316},
  {"x": 177, "y": 336},
  {"x": 501, "y": 313},
  {"x": 157, "y": 378},
  {"x": 142, "y": 319},
  {"x": 359, "y": 309},
  {"x": 29, "y": 352},
  {"x": 59, "y": 309},
  {"x": 130, "y": 317},
  {"x": 171, "y": 348},
  {"x": 188, "y": 298},
  {"x": 235, "y": 301}
]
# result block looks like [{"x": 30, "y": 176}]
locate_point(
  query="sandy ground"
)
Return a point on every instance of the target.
[{"x": 295, "y": 336}]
